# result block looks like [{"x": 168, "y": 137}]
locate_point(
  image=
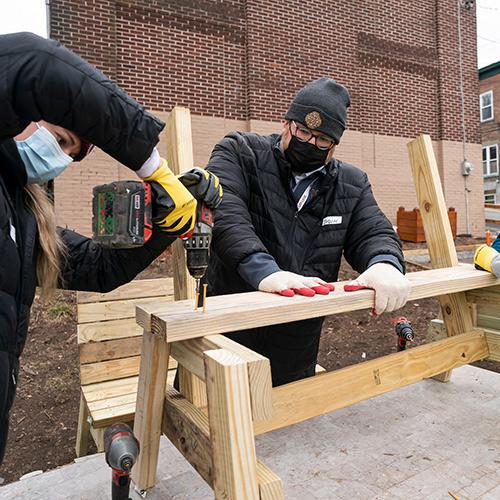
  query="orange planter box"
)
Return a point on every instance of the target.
[{"x": 411, "y": 228}]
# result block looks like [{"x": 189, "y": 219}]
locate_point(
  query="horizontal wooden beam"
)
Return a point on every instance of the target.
[
  {"x": 308, "y": 398},
  {"x": 187, "y": 428},
  {"x": 189, "y": 354},
  {"x": 227, "y": 313}
]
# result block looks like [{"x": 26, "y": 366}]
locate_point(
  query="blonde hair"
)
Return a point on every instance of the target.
[{"x": 52, "y": 249}]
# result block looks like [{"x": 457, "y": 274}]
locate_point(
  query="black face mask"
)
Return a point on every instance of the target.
[{"x": 304, "y": 156}]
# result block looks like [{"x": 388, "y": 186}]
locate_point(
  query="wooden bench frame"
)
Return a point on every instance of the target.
[{"x": 221, "y": 446}]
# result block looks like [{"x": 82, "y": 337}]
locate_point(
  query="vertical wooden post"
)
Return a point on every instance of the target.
[
  {"x": 231, "y": 430},
  {"x": 456, "y": 313},
  {"x": 83, "y": 431},
  {"x": 180, "y": 159},
  {"x": 149, "y": 410}
]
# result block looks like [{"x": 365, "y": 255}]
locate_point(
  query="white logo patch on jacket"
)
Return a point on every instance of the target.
[{"x": 332, "y": 219}]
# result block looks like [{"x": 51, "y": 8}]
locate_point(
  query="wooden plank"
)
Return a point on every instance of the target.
[
  {"x": 83, "y": 430},
  {"x": 299, "y": 401},
  {"x": 438, "y": 232},
  {"x": 229, "y": 415},
  {"x": 109, "y": 370},
  {"x": 190, "y": 355},
  {"x": 180, "y": 159},
  {"x": 149, "y": 409},
  {"x": 186, "y": 426},
  {"x": 116, "y": 309},
  {"x": 270, "y": 485},
  {"x": 493, "y": 340},
  {"x": 192, "y": 387},
  {"x": 110, "y": 389},
  {"x": 119, "y": 409},
  {"x": 229, "y": 313},
  {"x": 489, "y": 296},
  {"x": 137, "y": 288},
  {"x": 93, "y": 352},
  {"x": 100, "y": 331}
]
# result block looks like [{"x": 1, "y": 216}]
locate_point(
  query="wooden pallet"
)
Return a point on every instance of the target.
[{"x": 239, "y": 401}]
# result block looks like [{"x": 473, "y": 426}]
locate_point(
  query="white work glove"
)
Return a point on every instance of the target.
[
  {"x": 288, "y": 284},
  {"x": 392, "y": 288}
]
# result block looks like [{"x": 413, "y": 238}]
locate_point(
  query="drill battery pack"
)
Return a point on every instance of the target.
[{"x": 122, "y": 214}]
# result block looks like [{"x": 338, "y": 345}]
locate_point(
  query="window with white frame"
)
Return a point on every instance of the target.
[
  {"x": 490, "y": 198},
  {"x": 486, "y": 103},
  {"x": 490, "y": 160}
]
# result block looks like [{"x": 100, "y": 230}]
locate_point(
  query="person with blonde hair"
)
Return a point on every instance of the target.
[{"x": 54, "y": 107}]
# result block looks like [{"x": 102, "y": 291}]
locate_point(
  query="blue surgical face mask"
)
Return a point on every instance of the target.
[{"x": 42, "y": 156}]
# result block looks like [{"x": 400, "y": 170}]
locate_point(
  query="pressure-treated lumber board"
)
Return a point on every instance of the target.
[
  {"x": 93, "y": 352},
  {"x": 493, "y": 340},
  {"x": 149, "y": 409},
  {"x": 99, "y": 331},
  {"x": 83, "y": 429},
  {"x": 110, "y": 388},
  {"x": 109, "y": 370},
  {"x": 489, "y": 296},
  {"x": 190, "y": 355},
  {"x": 138, "y": 288},
  {"x": 192, "y": 387},
  {"x": 229, "y": 313},
  {"x": 299, "y": 401},
  {"x": 229, "y": 415},
  {"x": 180, "y": 159},
  {"x": 187, "y": 428},
  {"x": 438, "y": 233},
  {"x": 115, "y": 309},
  {"x": 120, "y": 408}
]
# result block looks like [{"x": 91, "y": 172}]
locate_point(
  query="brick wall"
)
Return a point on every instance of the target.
[
  {"x": 490, "y": 130},
  {"x": 237, "y": 64}
]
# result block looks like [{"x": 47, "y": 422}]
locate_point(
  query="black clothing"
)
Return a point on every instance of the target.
[
  {"x": 42, "y": 80},
  {"x": 321, "y": 105},
  {"x": 259, "y": 214}
]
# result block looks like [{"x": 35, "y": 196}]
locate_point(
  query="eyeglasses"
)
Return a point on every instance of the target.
[{"x": 303, "y": 134}]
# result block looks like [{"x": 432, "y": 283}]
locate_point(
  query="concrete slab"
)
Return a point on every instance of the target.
[{"x": 420, "y": 442}]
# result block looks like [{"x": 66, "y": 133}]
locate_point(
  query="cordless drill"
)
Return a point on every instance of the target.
[
  {"x": 122, "y": 218},
  {"x": 121, "y": 450},
  {"x": 404, "y": 332}
]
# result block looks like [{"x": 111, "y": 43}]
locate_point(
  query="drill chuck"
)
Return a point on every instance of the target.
[{"x": 121, "y": 447}]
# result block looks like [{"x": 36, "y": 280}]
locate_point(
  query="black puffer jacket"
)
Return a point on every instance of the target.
[
  {"x": 42, "y": 80},
  {"x": 258, "y": 214}
]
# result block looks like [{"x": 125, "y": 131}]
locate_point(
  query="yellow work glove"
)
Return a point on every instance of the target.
[
  {"x": 174, "y": 207},
  {"x": 488, "y": 259}
]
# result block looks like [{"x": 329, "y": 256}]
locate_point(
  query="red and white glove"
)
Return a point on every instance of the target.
[
  {"x": 392, "y": 288},
  {"x": 288, "y": 284}
]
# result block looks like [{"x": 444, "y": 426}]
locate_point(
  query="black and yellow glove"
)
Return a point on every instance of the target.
[
  {"x": 488, "y": 259},
  {"x": 174, "y": 207},
  {"x": 204, "y": 186}
]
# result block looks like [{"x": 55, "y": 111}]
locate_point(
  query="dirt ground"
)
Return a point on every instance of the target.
[{"x": 44, "y": 416}]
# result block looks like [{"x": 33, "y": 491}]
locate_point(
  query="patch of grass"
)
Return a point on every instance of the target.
[{"x": 59, "y": 310}]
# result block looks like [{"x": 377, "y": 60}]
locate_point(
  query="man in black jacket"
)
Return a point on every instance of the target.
[
  {"x": 53, "y": 105},
  {"x": 290, "y": 210}
]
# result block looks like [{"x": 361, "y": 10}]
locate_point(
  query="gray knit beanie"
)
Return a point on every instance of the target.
[{"x": 321, "y": 105}]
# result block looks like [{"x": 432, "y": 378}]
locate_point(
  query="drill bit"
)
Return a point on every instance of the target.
[
  {"x": 197, "y": 294},
  {"x": 204, "y": 296}
]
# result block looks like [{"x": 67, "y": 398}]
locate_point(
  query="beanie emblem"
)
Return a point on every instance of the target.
[{"x": 313, "y": 120}]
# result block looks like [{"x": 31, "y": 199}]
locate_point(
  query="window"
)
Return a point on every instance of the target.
[
  {"x": 489, "y": 198},
  {"x": 486, "y": 103},
  {"x": 490, "y": 160}
]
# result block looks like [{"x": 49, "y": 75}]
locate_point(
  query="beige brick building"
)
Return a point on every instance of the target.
[{"x": 237, "y": 63}]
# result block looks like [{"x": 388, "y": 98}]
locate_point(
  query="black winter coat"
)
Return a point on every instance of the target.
[
  {"x": 42, "y": 80},
  {"x": 259, "y": 214}
]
